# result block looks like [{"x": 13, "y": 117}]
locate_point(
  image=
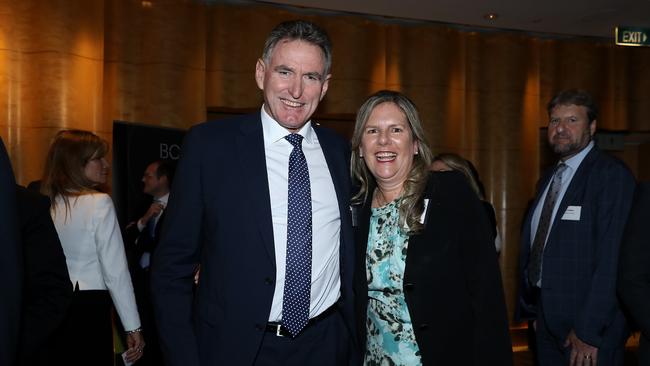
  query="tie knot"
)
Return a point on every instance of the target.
[
  {"x": 560, "y": 169},
  {"x": 295, "y": 139}
]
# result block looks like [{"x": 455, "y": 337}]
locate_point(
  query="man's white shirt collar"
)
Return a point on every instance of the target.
[
  {"x": 274, "y": 132},
  {"x": 163, "y": 199}
]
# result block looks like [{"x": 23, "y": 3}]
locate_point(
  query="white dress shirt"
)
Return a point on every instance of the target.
[
  {"x": 326, "y": 220},
  {"x": 162, "y": 199},
  {"x": 94, "y": 251},
  {"x": 572, "y": 166}
]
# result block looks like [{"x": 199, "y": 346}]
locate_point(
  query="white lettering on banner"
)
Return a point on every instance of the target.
[{"x": 170, "y": 151}]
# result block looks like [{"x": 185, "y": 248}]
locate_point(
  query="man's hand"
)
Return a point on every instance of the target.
[
  {"x": 154, "y": 210},
  {"x": 582, "y": 354}
]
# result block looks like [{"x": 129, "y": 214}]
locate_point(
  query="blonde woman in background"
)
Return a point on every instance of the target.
[
  {"x": 87, "y": 226},
  {"x": 449, "y": 161}
]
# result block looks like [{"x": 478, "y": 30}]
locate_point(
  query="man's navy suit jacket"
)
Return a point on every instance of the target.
[
  {"x": 11, "y": 263},
  {"x": 634, "y": 269},
  {"x": 219, "y": 215},
  {"x": 581, "y": 256}
]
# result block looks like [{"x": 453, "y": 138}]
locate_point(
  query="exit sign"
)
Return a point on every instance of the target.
[{"x": 632, "y": 36}]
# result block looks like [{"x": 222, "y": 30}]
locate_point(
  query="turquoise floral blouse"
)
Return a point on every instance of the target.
[{"x": 391, "y": 340}]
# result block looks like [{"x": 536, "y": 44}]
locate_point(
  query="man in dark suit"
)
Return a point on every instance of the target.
[
  {"x": 142, "y": 237},
  {"x": 262, "y": 203},
  {"x": 48, "y": 290},
  {"x": 634, "y": 269},
  {"x": 570, "y": 243},
  {"x": 143, "y": 234},
  {"x": 11, "y": 263}
]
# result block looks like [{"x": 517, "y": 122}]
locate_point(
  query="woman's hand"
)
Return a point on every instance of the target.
[{"x": 135, "y": 341}]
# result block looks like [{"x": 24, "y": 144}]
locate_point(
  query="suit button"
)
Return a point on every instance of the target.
[
  {"x": 424, "y": 326},
  {"x": 268, "y": 281},
  {"x": 408, "y": 286}
]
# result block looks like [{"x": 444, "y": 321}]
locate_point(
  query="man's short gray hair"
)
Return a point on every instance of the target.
[{"x": 300, "y": 30}]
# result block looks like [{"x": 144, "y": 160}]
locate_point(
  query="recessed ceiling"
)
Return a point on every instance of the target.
[{"x": 562, "y": 17}]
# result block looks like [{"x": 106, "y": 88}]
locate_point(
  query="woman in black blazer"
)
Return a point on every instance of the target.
[
  {"x": 449, "y": 161},
  {"x": 427, "y": 282}
]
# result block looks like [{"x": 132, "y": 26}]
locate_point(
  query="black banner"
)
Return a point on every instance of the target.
[{"x": 134, "y": 147}]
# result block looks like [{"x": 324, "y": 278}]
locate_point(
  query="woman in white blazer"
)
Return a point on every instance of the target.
[{"x": 90, "y": 235}]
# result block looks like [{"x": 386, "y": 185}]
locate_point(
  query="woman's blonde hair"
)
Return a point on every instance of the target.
[
  {"x": 411, "y": 202},
  {"x": 64, "y": 173}
]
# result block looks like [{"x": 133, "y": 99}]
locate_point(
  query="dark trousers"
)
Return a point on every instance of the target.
[
  {"x": 551, "y": 350},
  {"x": 644, "y": 351},
  {"x": 326, "y": 343},
  {"x": 152, "y": 355},
  {"x": 86, "y": 335}
]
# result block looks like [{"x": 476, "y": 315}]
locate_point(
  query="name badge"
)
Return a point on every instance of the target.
[
  {"x": 572, "y": 213},
  {"x": 424, "y": 213},
  {"x": 354, "y": 210}
]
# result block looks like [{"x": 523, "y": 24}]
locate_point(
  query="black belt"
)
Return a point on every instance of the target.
[{"x": 281, "y": 331}]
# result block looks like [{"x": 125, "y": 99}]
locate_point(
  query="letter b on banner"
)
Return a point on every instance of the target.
[{"x": 170, "y": 151}]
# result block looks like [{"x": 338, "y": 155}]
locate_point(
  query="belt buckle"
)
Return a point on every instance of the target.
[{"x": 278, "y": 330}]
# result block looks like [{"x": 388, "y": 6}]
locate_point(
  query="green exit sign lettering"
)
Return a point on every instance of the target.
[{"x": 632, "y": 36}]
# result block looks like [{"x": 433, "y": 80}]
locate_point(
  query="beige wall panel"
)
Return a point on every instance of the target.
[
  {"x": 425, "y": 55},
  {"x": 169, "y": 32},
  {"x": 52, "y": 64},
  {"x": 495, "y": 120},
  {"x": 510, "y": 228},
  {"x": 160, "y": 94},
  {"x": 70, "y": 26},
  {"x": 632, "y": 82},
  {"x": 232, "y": 51},
  {"x": 506, "y": 175},
  {"x": 155, "y": 63},
  {"x": 359, "y": 63},
  {"x": 438, "y": 106},
  {"x": 10, "y": 94},
  {"x": 498, "y": 62},
  {"x": 579, "y": 64},
  {"x": 33, "y": 143},
  {"x": 573, "y": 64},
  {"x": 59, "y": 90}
]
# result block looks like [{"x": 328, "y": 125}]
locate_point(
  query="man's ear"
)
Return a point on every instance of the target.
[
  {"x": 260, "y": 70},
  {"x": 326, "y": 85},
  {"x": 592, "y": 128}
]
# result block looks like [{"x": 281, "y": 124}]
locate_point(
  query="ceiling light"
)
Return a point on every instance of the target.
[{"x": 491, "y": 16}]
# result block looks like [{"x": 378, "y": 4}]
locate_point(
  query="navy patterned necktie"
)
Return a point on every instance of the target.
[
  {"x": 151, "y": 227},
  {"x": 537, "y": 251},
  {"x": 297, "y": 285},
  {"x": 153, "y": 221}
]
